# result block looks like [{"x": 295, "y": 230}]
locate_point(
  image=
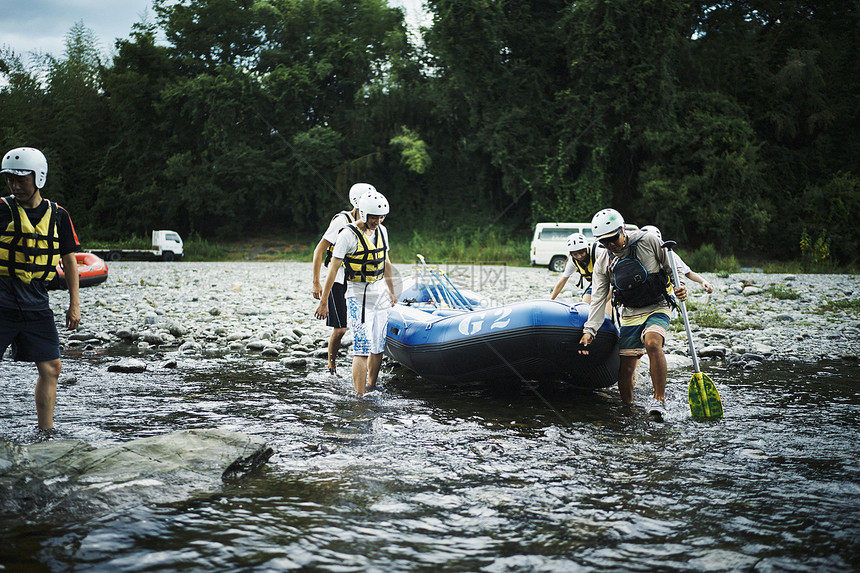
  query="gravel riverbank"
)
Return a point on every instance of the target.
[{"x": 264, "y": 311}]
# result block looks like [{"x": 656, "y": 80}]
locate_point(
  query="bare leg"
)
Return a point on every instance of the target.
[
  {"x": 626, "y": 373},
  {"x": 334, "y": 346},
  {"x": 658, "y": 368},
  {"x": 359, "y": 374},
  {"x": 374, "y": 363},
  {"x": 46, "y": 391}
]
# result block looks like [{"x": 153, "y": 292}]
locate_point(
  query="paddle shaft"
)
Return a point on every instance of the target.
[
  {"x": 668, "y": 246},
  {"x": 427, "y": 274}
]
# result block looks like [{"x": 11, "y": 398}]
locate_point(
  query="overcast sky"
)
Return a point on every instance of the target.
[{"x": 42, "y": 25}]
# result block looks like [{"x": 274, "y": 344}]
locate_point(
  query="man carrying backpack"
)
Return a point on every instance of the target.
[{"x": 637, "y": 267}]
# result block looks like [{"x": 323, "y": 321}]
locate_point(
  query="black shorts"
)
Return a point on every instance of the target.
[
  {"x": 337, "y": 306},
  {"x": 32, "y": 334}
]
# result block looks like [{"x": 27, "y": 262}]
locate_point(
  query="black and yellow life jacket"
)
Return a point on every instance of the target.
[
  {"x": 634, "y": 286},
  {"x": 30, "y": 253},
  {"x": 367, "y": 263},
  {"x": 328, "y": 252},
  {"x": 587, "y": 270}
]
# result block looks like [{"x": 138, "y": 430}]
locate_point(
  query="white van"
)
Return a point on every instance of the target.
[{"x": 549, "y": 244}]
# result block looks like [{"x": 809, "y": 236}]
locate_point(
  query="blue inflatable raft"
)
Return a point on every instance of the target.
[{"x": 532, "y": 340}]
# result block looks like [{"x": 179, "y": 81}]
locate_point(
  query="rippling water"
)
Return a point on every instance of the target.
[{"x": 421, "y": 477}]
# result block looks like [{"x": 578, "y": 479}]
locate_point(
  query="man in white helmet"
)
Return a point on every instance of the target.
[
  {"x": 637, "y": 267},
  {"x": 35, "y": 235},
  {"x": 322, "y": 256},
  {"x": 581, "y": 260},
  {"x": 362, "y": 249}
]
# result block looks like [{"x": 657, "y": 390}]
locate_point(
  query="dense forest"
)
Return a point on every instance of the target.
[{"x": 733, "y": 124}]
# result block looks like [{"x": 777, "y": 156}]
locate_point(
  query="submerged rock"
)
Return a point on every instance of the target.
[{"x": 39, "y": 480}]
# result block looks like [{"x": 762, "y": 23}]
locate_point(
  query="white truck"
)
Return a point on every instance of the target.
[
  {"x": 549, "y": 243},
  {"x": 166, "y": 246}
]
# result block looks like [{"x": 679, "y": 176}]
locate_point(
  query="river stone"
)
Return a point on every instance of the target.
[
  {"x": 307, "y": 341},
  {"x": 129, "y": 365},
  {"x": 82, "y": 335},
  {"x": 751, "y": 290},
  {"x": 189, "y": 347},
  {"x": 294, "y": 362},
  {"x": 70, "y": 475},
  {"x": 256, "y": 345},
  {"x": 153, "y": 338},
  {"x": 126, "y": 334},
  {"x": 713, "y": 352}
]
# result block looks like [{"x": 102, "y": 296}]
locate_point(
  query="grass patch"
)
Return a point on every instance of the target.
[
  {"x": 707, "y": 259},
  {"x": 782, "y": 292},
  {"x": 487, "y": 245},
  {"x": 846, "y": 304},
  {"x": 708, "y": 316}
]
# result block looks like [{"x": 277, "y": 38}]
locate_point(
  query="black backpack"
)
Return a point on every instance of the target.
[{"x": 634, "y": 286}]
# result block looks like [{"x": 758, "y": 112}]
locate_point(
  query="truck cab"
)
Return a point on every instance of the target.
[{"x": 168, "y": 243}]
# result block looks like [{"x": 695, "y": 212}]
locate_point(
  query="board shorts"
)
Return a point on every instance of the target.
[
  {"x": 368, "y": 337},
  {"x": 587, "y": 291},
  {"x": 336, "y": 306},
  {"x": 631, "y": 341},
  {"x": 32, "y": 334}
]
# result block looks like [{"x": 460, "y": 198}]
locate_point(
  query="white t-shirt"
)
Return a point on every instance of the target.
[
  {"x": 376, "y": 293},
  {"x": 569, "y": 268},
  {"x": 338, "y": 223},
  {"x": 682, "y": 267}
]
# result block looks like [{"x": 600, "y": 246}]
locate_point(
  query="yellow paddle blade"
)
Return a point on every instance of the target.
[{"x": 704, "y": 399}]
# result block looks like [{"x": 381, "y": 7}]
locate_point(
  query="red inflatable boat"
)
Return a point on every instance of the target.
[{"x": 92, "y": 271}]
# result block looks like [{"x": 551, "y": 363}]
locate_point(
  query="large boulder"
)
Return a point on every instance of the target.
[{"x": 39, "y": 481}]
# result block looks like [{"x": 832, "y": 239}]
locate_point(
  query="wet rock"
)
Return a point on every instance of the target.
[
  {"x": 67, "y": 379},
  {"x": 713, "y": 352},
  {"x": 55, "y": 476},
  {"x": 295, "y": 362},
  {"x": 239, "y": 335},
  {"x": 189, "y": 347},
  {"x": 127, "y": 334},
  {"x": 128, "y": 365},
  {"x": 153, "y": 338},
  {"x": 82, "y": 335},
  {"x": 745, "y": 361}
]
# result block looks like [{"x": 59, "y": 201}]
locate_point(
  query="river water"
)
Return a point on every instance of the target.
[{"x": 420, "y": 477}]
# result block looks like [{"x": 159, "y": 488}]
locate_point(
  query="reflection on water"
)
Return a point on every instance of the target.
[{"x": 421, "y": 477}]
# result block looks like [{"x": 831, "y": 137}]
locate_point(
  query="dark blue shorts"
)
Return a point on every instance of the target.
[
  {"x": 32, "y": 334},
  {"x": 337, "y": 306}
]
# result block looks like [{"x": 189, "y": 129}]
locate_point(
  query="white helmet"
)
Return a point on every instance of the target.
[
  {"x": 653, "y": 229},
  {"x": 576, "y": 242},
  {"x": 373, "y": 203},
  {"x": 23, "y": 160},
  {"x": 357, "y": 190},
  {"x": 606, "y": 223}
]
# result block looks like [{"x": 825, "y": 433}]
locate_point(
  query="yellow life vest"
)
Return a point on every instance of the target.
[
  {"x": 586, "y": 271},
  {"x": 330, "y": 249},
  {"x": 367, "y": 263},
  {"x": 26, "y": 252}
]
